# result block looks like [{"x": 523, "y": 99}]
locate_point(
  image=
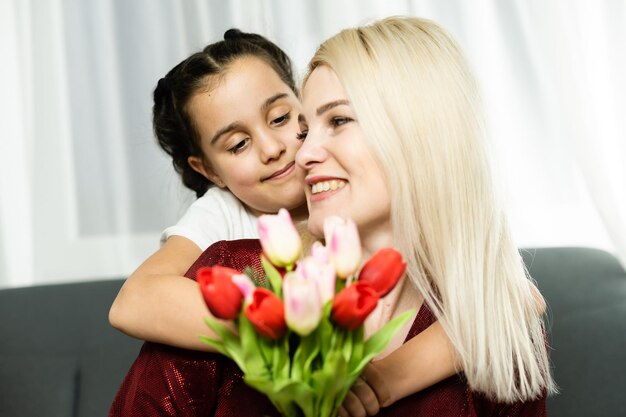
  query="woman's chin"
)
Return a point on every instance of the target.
[{"x": 316, "y": 227}]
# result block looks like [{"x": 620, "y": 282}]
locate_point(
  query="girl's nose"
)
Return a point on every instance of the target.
[{"x": 271, "y": 148}]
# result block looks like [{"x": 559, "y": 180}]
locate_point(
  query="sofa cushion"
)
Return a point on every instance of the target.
[
  {"x": 59, "y": 355},
  {"x": 45, "y": 386},
  {"x": 586, "y": 294}
]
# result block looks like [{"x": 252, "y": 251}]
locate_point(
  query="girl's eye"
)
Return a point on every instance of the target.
[
  {"x": 302, "y": 134},
  {"x": 338, "y": 121},
  {"x": 281, "y": 120},
  {"x": 240, "y": 146}
]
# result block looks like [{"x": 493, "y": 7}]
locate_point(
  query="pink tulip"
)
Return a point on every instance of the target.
[
  {"x": 279, "y": 238},
  {"x": 323, "y": 273},
  {"x": 342, "y": 240},
  {"x": 320, "y": 253},
  {"x": 303, "y": 309},
  {"x": 245, "y": 285}
]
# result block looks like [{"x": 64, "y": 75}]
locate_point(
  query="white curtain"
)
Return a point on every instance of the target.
[{"x": 85, "y": 191}]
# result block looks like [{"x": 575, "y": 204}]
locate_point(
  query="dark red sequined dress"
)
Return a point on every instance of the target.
[{"x": 168, "y": 381}]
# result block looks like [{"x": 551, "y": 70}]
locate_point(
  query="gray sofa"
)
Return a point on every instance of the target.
[
  {"x": 586, "y": 294},
  {"x": 60, "y": 358}
]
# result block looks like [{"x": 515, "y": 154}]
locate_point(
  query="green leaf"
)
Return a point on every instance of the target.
[
  {"x": 305, "y": 354},
  {"x": 251, "y": 343},
  {"x": 346, "y": 346},
  {"x": 297, "y": 363},
  {"x": 324, "y": 331},
  {"x": 222, "y": 331},
  {"x": 329, "y": 383},
  {"x": 358, "y": 346},
  {"x": 312, "y": 354},
  {"x": 216, "y": 344},
  {"x": 284, "y": 393},
  {"x": 336, "y": 339},
  {"x": 273, "y": 276},
  {"x": 280, "y": 359},
  {"x": 231, "y": 344},
  {"x": 266, "y": 348},
  {"x": 379, "y": 340}
]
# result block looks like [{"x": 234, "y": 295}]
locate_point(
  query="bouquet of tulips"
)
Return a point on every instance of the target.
[{"x": 300, "y": 338}]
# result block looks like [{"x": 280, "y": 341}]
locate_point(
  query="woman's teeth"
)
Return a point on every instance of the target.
[{"x": 327, "y": 186}]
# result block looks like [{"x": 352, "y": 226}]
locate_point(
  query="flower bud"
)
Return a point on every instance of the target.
[
  {"x": 353, "y": 304},
  {"x": 245, "y": 285},
  {"x": 267, "y": 314},
  {"x": 303, "y": 307},
  {"x": 221, "y": 295},
  {"x": 383, "y": 270},
  {"x": 320, "y": 253},
  {"x": 344, "y": 245},
  {"x": 322, "y": 273},
  {"x": 279, "y": 238}
]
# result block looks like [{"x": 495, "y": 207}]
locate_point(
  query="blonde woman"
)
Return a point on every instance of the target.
[{"x": 392, "y": 111}]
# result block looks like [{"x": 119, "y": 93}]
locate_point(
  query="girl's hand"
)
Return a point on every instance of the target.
[{"x": 367, "y": 396}]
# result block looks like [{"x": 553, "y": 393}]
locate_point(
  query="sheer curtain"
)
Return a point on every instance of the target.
[{"x": 85, "y": 191}]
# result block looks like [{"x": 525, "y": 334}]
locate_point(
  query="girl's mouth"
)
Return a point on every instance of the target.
[{"x": 281, "y": 173}]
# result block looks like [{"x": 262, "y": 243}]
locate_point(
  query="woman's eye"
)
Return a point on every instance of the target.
[
  {"x": 302, "y": 135},
  {"x": 281, "y": 120},
  {"x": 338, "y": 121},
  {"x": 240, "y": 146}
]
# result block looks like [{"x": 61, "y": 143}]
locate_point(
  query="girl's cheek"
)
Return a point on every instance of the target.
[{"x": 246, "y": 176}]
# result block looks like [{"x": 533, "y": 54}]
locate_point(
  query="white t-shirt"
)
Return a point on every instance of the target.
[{"x": 217, "y": 215}]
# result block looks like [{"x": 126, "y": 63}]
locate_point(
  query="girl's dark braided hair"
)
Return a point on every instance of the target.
[{"x": 172, "y": 124}]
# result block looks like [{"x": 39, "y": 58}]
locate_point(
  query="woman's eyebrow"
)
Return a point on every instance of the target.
[{"x": 324, "y": 108}]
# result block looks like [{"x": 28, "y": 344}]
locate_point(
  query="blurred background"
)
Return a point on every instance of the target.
[{"x": 85, "y": 191}]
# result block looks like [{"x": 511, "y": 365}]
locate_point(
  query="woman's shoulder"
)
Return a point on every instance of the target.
[{"x": 237, "y": 254}]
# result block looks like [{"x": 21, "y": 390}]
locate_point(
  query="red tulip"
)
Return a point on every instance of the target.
[
  {"x": 383, "y": 270},
  {"x": 353, "y": 304},
  {"x": 220, "y": 294},
  {"x": 267, "y": 313}
]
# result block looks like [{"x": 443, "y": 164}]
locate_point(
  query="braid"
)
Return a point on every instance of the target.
[{"x": 176, "y": 135}]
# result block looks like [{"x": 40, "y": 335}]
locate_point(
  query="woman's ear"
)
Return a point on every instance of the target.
[{"x": 197, "y": 164}]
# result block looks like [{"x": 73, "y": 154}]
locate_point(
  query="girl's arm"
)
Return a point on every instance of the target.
[
  {"x": 158, "y": 304},
  {"x": 419, "y": 363}
]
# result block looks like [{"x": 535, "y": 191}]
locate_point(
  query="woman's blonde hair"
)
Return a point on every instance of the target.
[{"x": 416, "y": 99}]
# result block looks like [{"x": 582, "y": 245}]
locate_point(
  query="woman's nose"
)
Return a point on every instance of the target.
[{"x": 310, "y": 153}]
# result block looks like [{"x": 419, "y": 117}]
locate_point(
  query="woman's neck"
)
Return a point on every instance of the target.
[
  {"x": 375, "y": 239},
  {"x": 299, "y": 213}
]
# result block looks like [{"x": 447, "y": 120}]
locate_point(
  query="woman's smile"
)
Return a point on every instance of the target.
[{"x": 323, "y": 187}]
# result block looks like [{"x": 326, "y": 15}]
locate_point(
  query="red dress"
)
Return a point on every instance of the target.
[{"x": 168, "y": 381}]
